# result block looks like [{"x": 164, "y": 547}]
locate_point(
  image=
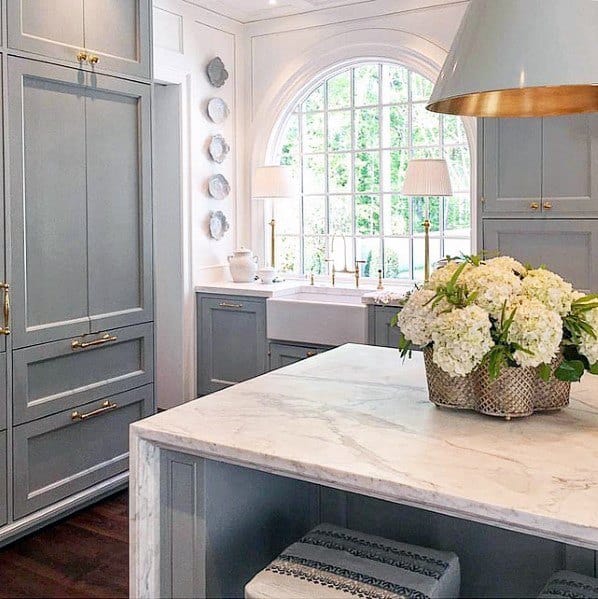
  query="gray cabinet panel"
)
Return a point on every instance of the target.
[
  {"x": 569, "y": 247},
  {"x": 512, "y": 162},
  {"x": 57, "y": 456},
  {"x": 384, "y": 334},
  {"x": 3, "y": 390},
  {"x": 116, "y": 31},
  {"x": 54, "y": 377},
  {"x": 231, "y": 343},
  {"x": 2, "y": 223},
  {"x": 119, "y": 203},
  {"x": 282, "y": 354},
  {"x": 46, "y": 119},
  {"x": 3, "y": 485}
]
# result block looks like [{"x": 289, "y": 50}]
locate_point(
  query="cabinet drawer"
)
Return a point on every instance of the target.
[
  {"x": 3, "y": 486},
  {"x": 2, "y": 391},
  {"x": 53, "y": 377},
  {"x": 60, "y": 455},
  {"x": 282, "y": 354}
]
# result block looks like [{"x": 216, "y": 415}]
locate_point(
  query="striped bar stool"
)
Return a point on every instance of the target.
[
  {"x": 570, "y": 585},
  {"x": 335, "y": 562}
]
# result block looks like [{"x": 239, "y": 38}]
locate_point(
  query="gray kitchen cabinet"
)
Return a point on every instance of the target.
[
  {"x": 68, "y": 452},
  {"x": 81, "y": 209},
  {"x": 569, "y": 247},
  {"x": 285, "y": 354},
  {"x": 381, "y": 333},
  {"x": 117, "y": 32},
  {"x": 3, "y": 391},
  {"x": 3, "y": 480},
  {"x": 57, "y": 376},
  {"x": 231, "y": 341}
]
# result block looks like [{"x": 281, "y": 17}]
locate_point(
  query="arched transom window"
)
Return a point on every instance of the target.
[{"x": 350, "y": 141}]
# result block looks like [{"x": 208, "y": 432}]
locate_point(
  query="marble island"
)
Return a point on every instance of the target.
[{"x": 355, "y": 421}]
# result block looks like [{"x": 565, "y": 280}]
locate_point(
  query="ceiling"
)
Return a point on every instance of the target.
[{"x": 256, "y": 10}]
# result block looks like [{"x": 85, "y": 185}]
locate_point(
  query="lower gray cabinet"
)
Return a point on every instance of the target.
[
  {"x": 57, "y": 376},
  {"x": 569, "y": 247},
  {"x": 381, "y": 333},
  {"x": 231, "y": 341},
  {"x": 2, "y": 391},
  {"x": 3, "y": 485},
  {"x": 68, "y": 452},
  {"x": 283, "y": 354}
]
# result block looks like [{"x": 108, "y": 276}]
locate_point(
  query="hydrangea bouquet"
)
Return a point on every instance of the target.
[{"x": 498, "y": 313}]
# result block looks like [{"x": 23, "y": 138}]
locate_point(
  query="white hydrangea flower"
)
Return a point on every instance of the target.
[
  {"x": 537, "y": 329},
  {"x": 461, "y": 340},
  {"x": 589, "y": 346},
  {"x": 494, "y": 287},
  {"x": 417, "y": 316},
  {"x": 507, "y": 263},
  {"x": 443, "y": 275},
  {"x": 550, "y": 289}
]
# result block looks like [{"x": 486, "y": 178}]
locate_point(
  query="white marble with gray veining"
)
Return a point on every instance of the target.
[{"x": 358, "y": 419}]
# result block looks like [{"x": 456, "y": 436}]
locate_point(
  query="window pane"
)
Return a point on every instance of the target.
[
  {"x": 460, "y": 167},
  {"x": 454, "y": 131},
  {"x": 288, "y": 253},
  {"x": 397, "y": 215},
  {"x": 367, "y": 215},
  {"x": 421, "y": 88},
  {"x": 457, "y": 215},
  {"x": 395, "y": 130},
  {"x": 339, "y": 91},
  {"x": 367, "y": 128},
  {"x": 425, "y": 127},
  {"x": 288, "y": 218},
  {"x": 314, "y": 174},
  {"x": 339, "y": 173},
  {"x": 341, "y": 249},
  {"x": 367, "y": 171},
  {"x": 314, "y": 215},
  {"x": 420, "y": 211},
  {"x": 313, "y": 132},
  {"x": 315, "y": 255},
  {"x": 340, "y": 214},
  {"x": 315, "y": 101},
  {"x": 394, "y": 84},
  {"x": 457, "y": 247},
  {"x": 339, "y": 131},
  {"x": 290, "y": 149},
  {"x": 367, "y": 85},
  {"x": 418, "y": 256},
  {"x": 369, "y": 251},
  {"x": 395, "y": 168},
  {"x": 434, "y": 152},
  {"x": 396, "y": 259}
]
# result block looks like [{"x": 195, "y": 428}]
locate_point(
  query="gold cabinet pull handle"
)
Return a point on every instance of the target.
[
  {"x": 93, "y": 59},
  {"x": 311, "y": 354},
  {"x": 547, "y": 206},
  {"x": 107, "y": 338},
  {"x": 107, "y": 406},
  {"x": 82, "y": 56},
  {"x": 534, "y": 206},
  {"x": 227, "y": 305},
  {"x": 5, "y": 330}
]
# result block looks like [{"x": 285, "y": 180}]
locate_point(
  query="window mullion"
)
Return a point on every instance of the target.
[{"x": 381, "y": 124}]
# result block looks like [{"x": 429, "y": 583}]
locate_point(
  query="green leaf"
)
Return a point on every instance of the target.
[
  {"x": 593, "y": 369},
  {"x": 544, "y": 372},
  {"x": 394, "y": 320},
  {"x": 570, "y": 371}
]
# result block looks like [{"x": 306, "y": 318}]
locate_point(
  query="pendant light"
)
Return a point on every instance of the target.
[{"x": 522, "y": 58}]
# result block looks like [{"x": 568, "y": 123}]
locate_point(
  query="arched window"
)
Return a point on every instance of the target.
[{"x": 350, "y": 141}]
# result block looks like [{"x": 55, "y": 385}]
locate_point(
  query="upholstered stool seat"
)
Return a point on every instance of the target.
[
  {"x": 335, "y": 562},
  {"x": 569, "y": 585}
]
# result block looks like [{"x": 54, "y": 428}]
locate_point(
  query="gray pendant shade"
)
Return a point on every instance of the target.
[{"x": 522, "y": 58}]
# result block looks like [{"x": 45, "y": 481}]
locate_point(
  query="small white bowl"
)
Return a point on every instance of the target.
[{"x": 267, "y": 275}]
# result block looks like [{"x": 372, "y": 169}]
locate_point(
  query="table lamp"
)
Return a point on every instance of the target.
[
  {"x": 424, "y": 179},
  {"x": 274, "y": 183}
]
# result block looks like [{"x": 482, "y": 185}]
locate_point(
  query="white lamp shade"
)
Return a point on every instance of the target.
[
  {"x": 274, "y": 182},
  {"x": 522, "y": 58},
  {"x": 425, "y": 178}
]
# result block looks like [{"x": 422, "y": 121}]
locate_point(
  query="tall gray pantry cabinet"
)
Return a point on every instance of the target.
[{"x": 76, "y": 320}]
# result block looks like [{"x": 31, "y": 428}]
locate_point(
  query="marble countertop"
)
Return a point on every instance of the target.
[{"x": 357, "y": 418}]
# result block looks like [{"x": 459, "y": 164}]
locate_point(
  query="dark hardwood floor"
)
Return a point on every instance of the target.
[{"x": 85, "y": 555}]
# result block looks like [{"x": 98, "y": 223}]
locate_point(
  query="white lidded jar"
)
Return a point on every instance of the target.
[{"x": 243, "y": 266}]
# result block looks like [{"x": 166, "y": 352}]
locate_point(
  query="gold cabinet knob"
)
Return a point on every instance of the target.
[
  {"x": 93, "y": 59},
  {"x": 534, "y": 206},
  {"x": 547, "y": 206},
  {"x": 82, "y": 56}
]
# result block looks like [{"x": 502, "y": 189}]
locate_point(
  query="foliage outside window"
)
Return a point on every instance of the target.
[{"x": 350, "y": 141}]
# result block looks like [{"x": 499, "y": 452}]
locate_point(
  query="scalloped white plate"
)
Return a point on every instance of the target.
[
  {"x": 218, "y": 225},
  {"x": 218, "y": 110},
  {"x": 219, "y": 187},
  {"x": 219, "y": 149}
]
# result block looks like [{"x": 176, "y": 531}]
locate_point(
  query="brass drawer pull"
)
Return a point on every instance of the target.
[
  {"x": 93, "y": 59},
  {"x": 107, "y": 338},
  {"x": 534, "y": 206},
  {"x": 5, "y": 330},
  {"x": 227, "y": 305},
  {"x": 311, "y": 354},
  {"x": 82, "y": 56},
  {"x": 107, "y": 406},
  {"x": 547, "y": 206}
]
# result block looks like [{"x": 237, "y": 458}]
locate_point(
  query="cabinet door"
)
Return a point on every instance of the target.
[
  {"x": 119, "y": 203},
  {"x": 282, "y": 355},
  {"x": 570, "y": 169},
  {"x": 53, "y": 29},
  {"x": 512, "y": 165},
  {"x": 60, "y": 455},
  {"x": 384, "y": 334},
  {"x": 3, "y": 485},
  {"x": 3, "y": 276},
  {"x": 3, "y": 393},
  {"x": 231, "y": 341},
  {"x": 568, "y": 247},
  {"x": 118, "y": 32},
  {"x": 48, "y": 209}
]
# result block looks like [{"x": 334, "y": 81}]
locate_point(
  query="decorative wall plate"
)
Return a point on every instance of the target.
[
  {"x": 218, "y": 149},
  {"x": 218, "y": 187},
  {"x": 218, "y": 110},
  {"x": 218, "y": 225},
  {"x": 217, "y": 73}
]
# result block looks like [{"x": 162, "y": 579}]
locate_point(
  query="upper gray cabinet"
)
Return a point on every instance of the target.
[
  {"x": 112, "y": 34},
  {"x": 540, "y": 168},
  {"x": 81, "y": 205}
]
